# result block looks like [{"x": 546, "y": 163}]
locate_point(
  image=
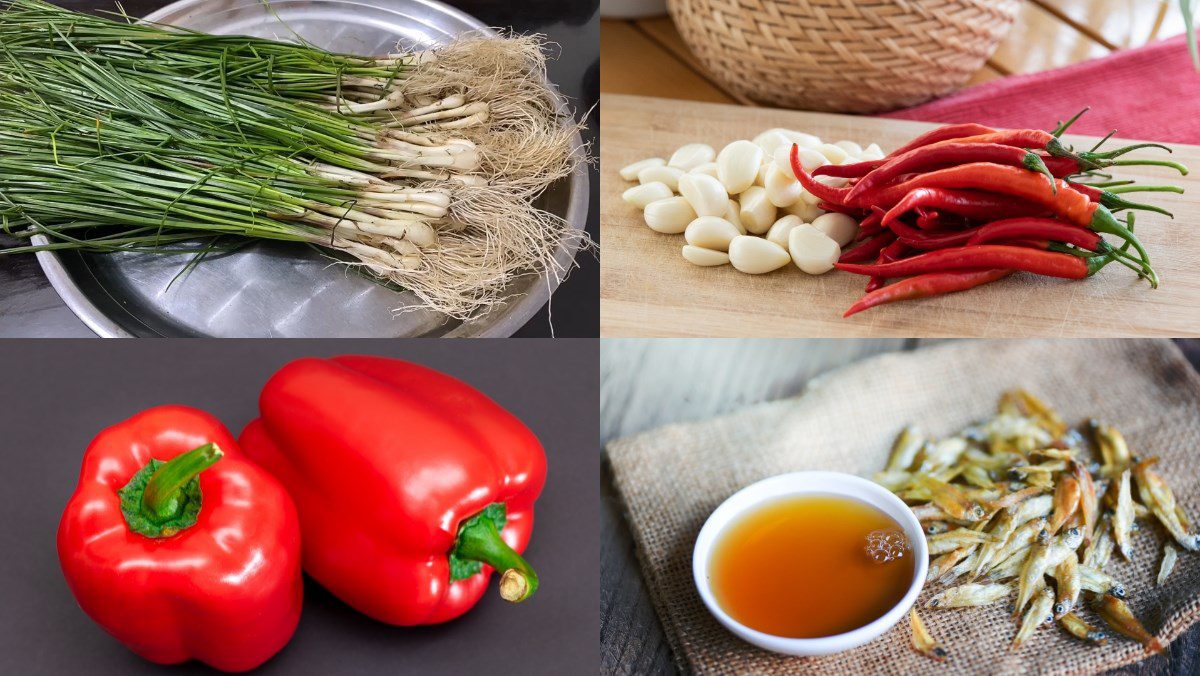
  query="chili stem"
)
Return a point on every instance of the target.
[
  {"x": 1145, "y": 188},
  {"x": 1183, "y": 170}
]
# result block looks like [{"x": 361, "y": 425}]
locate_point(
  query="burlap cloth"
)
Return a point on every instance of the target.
[{"x": 671, "y": 479}]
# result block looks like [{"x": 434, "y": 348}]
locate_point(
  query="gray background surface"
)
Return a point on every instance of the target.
[
  {"x": 649, "y": 383},
  {"x": 57, "y": 394}
]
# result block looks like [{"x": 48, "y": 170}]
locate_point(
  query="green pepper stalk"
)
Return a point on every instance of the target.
[
  {"x": 164, "y": 498},
  {"x": 479, "y": 541}
]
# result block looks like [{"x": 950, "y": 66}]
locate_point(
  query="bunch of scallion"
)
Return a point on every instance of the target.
[{"x": 421, "y": 167}]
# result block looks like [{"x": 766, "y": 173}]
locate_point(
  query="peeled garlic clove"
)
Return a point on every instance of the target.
[
  {"x": 801, "y": 139},
  {"x": 807, "y": 212},
  {"x": 782, "y": 189},
  {"x": 691, "y": 155},
  {"x": 666, "y": 175},
  {"x": 670, "y": 216},
  {"x": 873, "y": 152},
  {"x": 705, "y": 193},
  {"x": 839, "y": 227},
  {"x": 710, "y": 232},
  {"x": 755, "y": 255},
  {"x": 738, "y": 164},
  {"x": 761, "y": 179},
  {"x": 709, "y": 168},
  {"x": 852, "y": 149},
  {"x": 630, "y": 172},
  {"x": 704, "y": 257},
  {"x": 809, "y": 159},
  {"x": 812, "y": 250},
  {"x": 734, "y": 215},
  {"x": 833, "y": 153},
  {"x": 771, "y": 139},
  {"x": 779, "y": 232},
  {"x": 641, "y": 195},
  {"x": 757, "y": 212}
]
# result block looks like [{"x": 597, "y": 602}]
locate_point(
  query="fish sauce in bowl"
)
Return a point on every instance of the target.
[{"x": 811, "y": 566}]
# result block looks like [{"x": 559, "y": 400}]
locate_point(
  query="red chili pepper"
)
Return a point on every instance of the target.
[
  {"x": 892, "y": 252},
  {"x": 840, "y": 209},
  {"x": 411, "y": 486},
  {"x": 1040, "y": 228},
  {"x": 179, "y": 546},
  {"x": 932, "y": 219},
  {"x": 815, "y": 187},
  {"x": 871, "y": 225},
  {"x": 929, "y": 241},
  {"x": 854, "y": 170},
  {"x": 1048, "y": 263},
  {"x": 1066, "y": 203},
  {"x": 950, "y": 131},
  {"x": 947, "y": 154},
  {"x": 926, "y": 285},
  {"x": 869, "y": 248},
  {"x": 979, "y": 206}
]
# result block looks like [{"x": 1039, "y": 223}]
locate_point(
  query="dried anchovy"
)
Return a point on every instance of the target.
[{"x": 1012, "y": 501}]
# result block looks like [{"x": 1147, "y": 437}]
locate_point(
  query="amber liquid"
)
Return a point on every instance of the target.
[{"x": 799, "y": 567}]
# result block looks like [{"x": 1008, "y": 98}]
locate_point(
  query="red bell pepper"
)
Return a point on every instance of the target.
[
  {"x": 181, "y": 548},
  {"x": 411, "y": 485}
]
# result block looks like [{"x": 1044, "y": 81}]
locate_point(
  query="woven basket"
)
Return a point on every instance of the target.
[{"x": 859, "y": 56}]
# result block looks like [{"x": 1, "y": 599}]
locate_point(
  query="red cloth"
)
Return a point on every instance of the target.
[{"x": 1150, "y": 93}]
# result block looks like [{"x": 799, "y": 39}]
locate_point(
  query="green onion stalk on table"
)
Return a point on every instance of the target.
[{"x": 421, "y": 168}]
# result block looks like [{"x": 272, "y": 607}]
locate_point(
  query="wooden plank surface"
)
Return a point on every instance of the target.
[
  {"x": 649, "y": 383},
  {"x": 647, "y": 289}
]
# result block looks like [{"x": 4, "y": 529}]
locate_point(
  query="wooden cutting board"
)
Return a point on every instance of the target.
[{"x": 648, "y": 289}]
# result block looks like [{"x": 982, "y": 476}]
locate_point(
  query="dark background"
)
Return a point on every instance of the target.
[
  {"x": 30, "y": 308},
  {"x": 58, "y": 394}
]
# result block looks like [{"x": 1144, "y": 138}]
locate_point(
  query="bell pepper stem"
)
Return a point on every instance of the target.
[
  {"x": 161, "y": 499},
  {"x": 164, "y": 498},
  {"x": 480, "y": 541}
]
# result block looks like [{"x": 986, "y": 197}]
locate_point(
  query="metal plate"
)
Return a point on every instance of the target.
[{"x": 284, "y": 290}]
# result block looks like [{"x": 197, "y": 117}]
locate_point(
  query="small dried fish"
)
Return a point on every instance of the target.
[
  {"x": 1022, "y": 497},
  {"x": 1114, "y": 452},
  {"x": 922, "y": 641},
  {"x": 1082, "y": 630},
  {"x": 1168, "y": 563},
  {"x": 904, "y": 450},
  {"x": 943, "y": 453},
  {"x": 1066, "y": 574},
  {"x": 970, "y": 594},
  {"x": 1033, "y": 508},
  {"x": 959, "y": 537},
  {"x": 1117, "y": 614},
  {"x": 1066, "y": 501},
  {"x": 935, "y": 527},
  {"x": 1039, "y": 613},
  {"x": 1014, "y": 552},
  {"x": 944, "y": 563},
  {"x": 1034, "y": 569},
  {"x": 1099, "y": 550},
  {"x": 1047, "y": 417},
  {"x": 951, "y": 499},
  {"x": 1100, "y": 582},
  {"x": 1158, "y": 497},
  {"x": 1123, "y": 516},
  {"x": 1089, "y": 506}
]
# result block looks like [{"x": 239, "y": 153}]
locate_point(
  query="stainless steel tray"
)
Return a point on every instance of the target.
[{"x": 282, "y": 290}]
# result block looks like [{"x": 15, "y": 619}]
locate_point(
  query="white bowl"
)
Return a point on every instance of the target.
[{"x": 810, "y": 483}]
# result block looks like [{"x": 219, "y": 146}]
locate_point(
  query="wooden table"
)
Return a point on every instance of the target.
[
  {"x": 648, "y": 57},
  {"x": 649, "y": 383}
]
